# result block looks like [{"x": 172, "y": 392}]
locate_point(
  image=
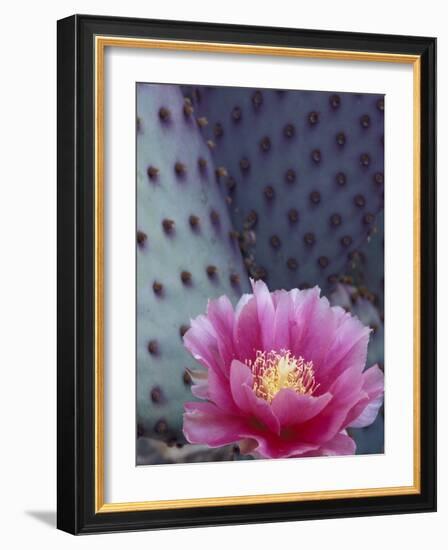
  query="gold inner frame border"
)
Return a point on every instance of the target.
[{"x": 100, "y": 44}]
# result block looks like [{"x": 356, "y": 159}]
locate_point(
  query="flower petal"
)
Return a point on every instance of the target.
[
  {"x": 346, "y": 393},
  {"x": 304, "y": 303},
  {"x": 373, "y": 385},
  {"x": 265, "y": 313},
  {"x": 247, "y": 331},
  {"x": 368, "y": 415},
  {"x": 282, "y": 321},
  {"x": 245, "y": 298},
  {"x": 321, "y": 322},
  {"x": 221, "y": 315},
  {"x": 247, "y": 446},
  {"x": 200, "y": 383},
  {"x": 282, "y": 449},
  {"x": 259, "y": 411},
  {"x": 200, "y": 341},
  {"x": 292, "y": 408},
  {"x": 348, "y": 350},
  {"x": 219, "y": 392},
  {"x": 205, "y": 423},
  {"x": 340, "y": 445},
  {"x": 200, "y": 391}
]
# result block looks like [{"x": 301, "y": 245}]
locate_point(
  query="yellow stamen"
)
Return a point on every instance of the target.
[{"x": 274, "y": 371}]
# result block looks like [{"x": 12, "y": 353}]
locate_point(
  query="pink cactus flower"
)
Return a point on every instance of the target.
[{"x": 284, "y": 375}]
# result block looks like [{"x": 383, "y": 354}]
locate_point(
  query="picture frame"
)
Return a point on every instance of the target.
[{"x": 83, "y": 243}]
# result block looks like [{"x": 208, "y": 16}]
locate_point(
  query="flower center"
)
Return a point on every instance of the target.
[{"x": 274, "y": 371}]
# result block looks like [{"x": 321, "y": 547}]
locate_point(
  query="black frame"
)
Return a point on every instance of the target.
[{"x": 75, "y": 403}]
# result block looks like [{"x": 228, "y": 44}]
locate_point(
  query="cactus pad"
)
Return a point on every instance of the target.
[{"x": 185, "y": 254}]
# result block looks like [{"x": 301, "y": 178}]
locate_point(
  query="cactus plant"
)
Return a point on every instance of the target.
[
  {"x": 154, "y": 451},
  {"x": 285, "y": 186},
  {"x": 365, "y": 267},
  {"x": 302, "y": 172},
  {"x": 185, "y": 253}
]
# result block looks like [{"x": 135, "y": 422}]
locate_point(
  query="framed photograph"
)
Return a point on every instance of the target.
[{"x": 246, "y": 274}]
